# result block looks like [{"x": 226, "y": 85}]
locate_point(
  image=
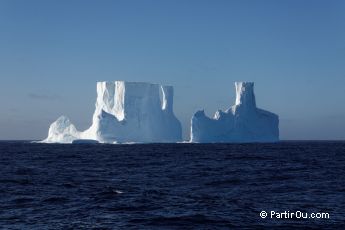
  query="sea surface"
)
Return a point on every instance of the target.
[{"x": 171, "y": 186}]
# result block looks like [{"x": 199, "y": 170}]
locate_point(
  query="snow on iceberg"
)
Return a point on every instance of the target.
[
  {"x": 125, "y": 112},
  {"x": 243, "y": 122}
]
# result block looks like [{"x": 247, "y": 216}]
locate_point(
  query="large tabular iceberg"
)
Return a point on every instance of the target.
[
  {"x": 243, "y": 122},
  {"x": 125, "y": 112}
]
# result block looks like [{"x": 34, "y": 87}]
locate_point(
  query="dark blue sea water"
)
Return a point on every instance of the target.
[{"x": 171, "y": 186}]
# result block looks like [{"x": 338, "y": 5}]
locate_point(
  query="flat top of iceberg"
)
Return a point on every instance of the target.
[{"x": 133, "y": 82}]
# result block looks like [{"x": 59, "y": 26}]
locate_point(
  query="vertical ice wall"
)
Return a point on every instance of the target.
[
  {"x": 168, "y": 97},
  {"x": 245, "y": 94}
]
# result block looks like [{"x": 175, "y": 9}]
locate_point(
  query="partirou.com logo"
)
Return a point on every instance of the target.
[{"x": 290, "y": 215}]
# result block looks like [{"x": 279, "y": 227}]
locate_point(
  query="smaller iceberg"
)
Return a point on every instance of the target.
[
  {"x": 62, "y": 131},
  {"x": 243, "y": 122}
]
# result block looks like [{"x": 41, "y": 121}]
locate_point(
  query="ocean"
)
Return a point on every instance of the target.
[{"x": 172, "y": 186}]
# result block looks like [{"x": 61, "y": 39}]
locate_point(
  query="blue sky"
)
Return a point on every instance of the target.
[{"x": 52, "y": 53}]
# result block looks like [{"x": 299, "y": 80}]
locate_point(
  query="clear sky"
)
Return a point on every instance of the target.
[{"x": 52, "y": 53}]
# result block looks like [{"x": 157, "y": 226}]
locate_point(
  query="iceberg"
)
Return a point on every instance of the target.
[
  {"x": 125, "y": 112},
  {"x": 62, "y": 131},
  {"x": 243, "y": 122}
]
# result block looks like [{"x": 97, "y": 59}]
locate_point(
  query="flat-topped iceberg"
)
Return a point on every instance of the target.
[
  {"x": 125, "y": 112},
  {"x": 243, "y": 122}
]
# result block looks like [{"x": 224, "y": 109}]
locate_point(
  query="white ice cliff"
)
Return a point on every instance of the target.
[
  {"x": 125, "y": 112},
  {"x": 243, "y": 122}
]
